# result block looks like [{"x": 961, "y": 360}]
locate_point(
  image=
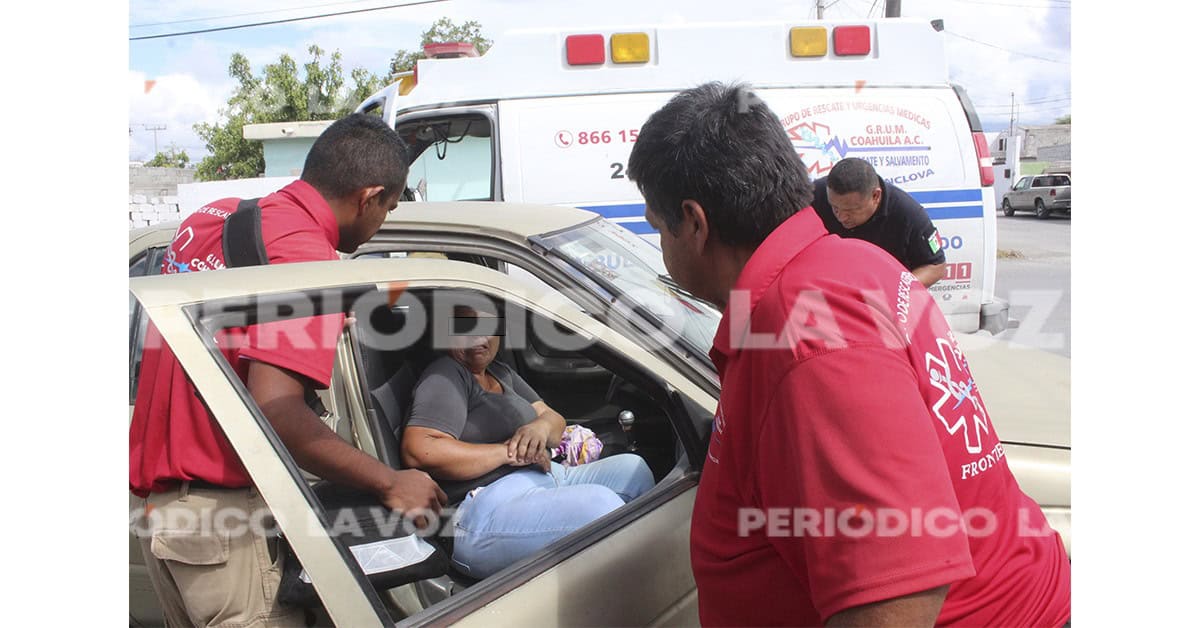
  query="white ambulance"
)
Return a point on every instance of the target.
[{"x": 549, "y": 116}]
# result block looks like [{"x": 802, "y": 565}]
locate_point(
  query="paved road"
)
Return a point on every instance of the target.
[{"x": 1037, "y": 284}]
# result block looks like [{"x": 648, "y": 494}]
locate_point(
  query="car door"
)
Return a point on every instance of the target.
[
  {"x": 145, "y": 259},
  {"x": 636, "y": 556},
  {"x": 1040, "y": 189},
  {"x": 1019, "y": 196}
]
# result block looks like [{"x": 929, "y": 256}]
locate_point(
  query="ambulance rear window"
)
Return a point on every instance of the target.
[{"x": 451, "y": 158}]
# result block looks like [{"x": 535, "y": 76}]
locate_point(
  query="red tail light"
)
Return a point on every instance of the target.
[
  {"x": 987, "y": 176},
  {"x": 585, "y": 49},
  {"x": 1053, "y": 192}
]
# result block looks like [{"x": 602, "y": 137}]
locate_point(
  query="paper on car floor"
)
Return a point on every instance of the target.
[{"x": 387, "y": 555}]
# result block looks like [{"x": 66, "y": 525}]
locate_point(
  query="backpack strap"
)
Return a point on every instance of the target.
[
  {"x": 241, "y": 238},
  {"x": 242, "y": 244}
]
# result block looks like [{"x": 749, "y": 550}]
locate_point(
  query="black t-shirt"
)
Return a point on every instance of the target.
[
  {"x": 900, "y": 226},
  {"x": 448, "y": 398}
]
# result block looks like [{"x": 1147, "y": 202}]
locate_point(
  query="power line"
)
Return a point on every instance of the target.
[
  {"x": 1031, "y": 102},
  {"x": 1022, "y": 6},
  {"x": 222, "y": 17},
  {"x": 984, "y": 43},
  {"x": 1043, "y": 109},
  {"x": 285, "y": 21}
]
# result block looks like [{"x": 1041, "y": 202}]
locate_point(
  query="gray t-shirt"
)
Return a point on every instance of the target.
[{"x": 449, "y": 399}]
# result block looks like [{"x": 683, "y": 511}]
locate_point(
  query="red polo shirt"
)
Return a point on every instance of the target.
[
  {"x": 852, "y": 459},
  {"x": 172, "y": 437}
]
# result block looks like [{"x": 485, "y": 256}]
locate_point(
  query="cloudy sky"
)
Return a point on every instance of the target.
[{"x": 998, "y": 49}]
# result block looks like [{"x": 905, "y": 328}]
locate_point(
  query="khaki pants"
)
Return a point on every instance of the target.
[{"x": 209, "y": 561}]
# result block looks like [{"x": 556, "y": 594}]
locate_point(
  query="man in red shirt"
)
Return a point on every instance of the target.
[
  {"x": 181, "y": 462},
  {"x": 853, "y": 474}
]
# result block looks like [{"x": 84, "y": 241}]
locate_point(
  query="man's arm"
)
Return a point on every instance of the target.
[
  {"x": 280, "y": 395},
  {"x": 930, "y": 274},
  {"x": 916, "y": 609}
]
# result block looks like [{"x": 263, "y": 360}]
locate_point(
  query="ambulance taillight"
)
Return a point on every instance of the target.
[{"x": 987, "y": 176}]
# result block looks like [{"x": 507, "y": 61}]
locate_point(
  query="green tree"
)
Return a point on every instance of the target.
[
  {"x": 173, "y": 157},
  {"x": 278, "y": 95},
  {"x": 443, "y": 31},
  {"x": 1064, "y": 120}
]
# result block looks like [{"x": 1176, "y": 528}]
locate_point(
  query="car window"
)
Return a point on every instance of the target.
[
  {"x": 1062, "y": 180},
  {"x": 516, "y": 272},
  {"x": 453, "y": 158},
  {"x": 661, "y": 426},
  {"x": 1022, "y": 184},
  {"x": 1042, "y": 182},
  {"x": 147, "y": 263}
]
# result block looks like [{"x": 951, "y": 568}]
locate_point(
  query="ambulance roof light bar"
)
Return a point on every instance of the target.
[{"x": 450, "y": 50}]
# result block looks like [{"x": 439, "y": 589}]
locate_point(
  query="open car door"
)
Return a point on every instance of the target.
[{"x": 635, "y": 558}]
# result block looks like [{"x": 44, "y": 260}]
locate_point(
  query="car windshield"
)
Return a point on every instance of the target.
[{"x": 631, "y": 270}]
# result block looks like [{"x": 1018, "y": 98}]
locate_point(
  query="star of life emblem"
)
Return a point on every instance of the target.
[{"x": 959, "y": 408}]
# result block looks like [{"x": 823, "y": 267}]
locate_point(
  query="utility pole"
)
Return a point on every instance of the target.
[
  {"x": 1012, "y": 112},
  {"x": 155, "y": 128},
  {"x": 820, "y": 9},
  {"x": 891, "y": 8}
]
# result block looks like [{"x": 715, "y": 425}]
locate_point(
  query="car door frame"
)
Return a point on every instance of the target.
[
  {"x": 533, "y": 262},
  {"x": 487, "y": 110},
  {"x": 176, "y": 308}
]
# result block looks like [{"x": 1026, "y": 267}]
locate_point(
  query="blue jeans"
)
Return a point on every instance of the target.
[{"x": 527, "y": 510}]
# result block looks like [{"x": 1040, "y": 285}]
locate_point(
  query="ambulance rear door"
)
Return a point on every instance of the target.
[
  {"x": 920, "y": 140},
  {"x": 574, "y": 151}
]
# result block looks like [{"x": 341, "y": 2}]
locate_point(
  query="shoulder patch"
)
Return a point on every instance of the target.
[{"x": 935, "y": 242}]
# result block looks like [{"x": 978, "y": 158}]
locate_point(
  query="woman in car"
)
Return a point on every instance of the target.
[{"x": 479, "y": 429}]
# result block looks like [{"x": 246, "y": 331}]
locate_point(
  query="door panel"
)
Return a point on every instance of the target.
[{"x": 637, "y": 576}]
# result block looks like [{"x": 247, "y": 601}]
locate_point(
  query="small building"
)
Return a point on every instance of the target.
[
  {"x": 1039, "y": 147},
  {"x": 285, "y": 144},
  {"x": 1050, "y": 138}
]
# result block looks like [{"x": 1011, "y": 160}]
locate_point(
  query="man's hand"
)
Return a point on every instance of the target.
[
  {"x": 929, "y": 274},
  {"x": 529, "y": 442},
  {"x": 542, "y": 460},
  {"x": 414, "y": 493}
]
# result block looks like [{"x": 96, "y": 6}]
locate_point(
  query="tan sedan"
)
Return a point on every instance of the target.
[{"x": 595, "y": 326}]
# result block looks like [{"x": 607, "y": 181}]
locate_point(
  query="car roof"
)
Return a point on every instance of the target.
[
  {"x": 510, "y": 221},
  {"x": 513, "y": 221},
  {"x": 145, "y": 237}
]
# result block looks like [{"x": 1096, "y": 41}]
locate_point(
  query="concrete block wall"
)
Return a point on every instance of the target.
[
  {"x": 153, "y": 194},
  {"x": 145, "y": 211}
]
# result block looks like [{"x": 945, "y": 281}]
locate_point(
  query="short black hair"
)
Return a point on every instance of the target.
[
  {"x": 852, "y": 175},
  {"x": 722, "y": 147},
  {"x": 356, "y": 152}
]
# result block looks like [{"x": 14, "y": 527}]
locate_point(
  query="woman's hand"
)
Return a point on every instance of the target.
[
  {"x": 541, "y": 460},
  {"x": 529, "y": 442}
]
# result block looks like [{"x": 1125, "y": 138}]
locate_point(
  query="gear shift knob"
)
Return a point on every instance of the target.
[{"x": 625, "y": 419}]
